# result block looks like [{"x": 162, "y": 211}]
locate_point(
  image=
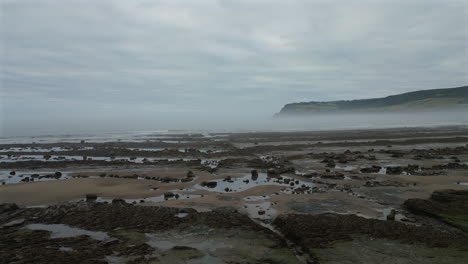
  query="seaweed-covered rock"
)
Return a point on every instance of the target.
[{"x": 450, "y": 206}]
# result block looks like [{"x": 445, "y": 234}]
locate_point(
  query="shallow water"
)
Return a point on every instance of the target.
[
  {"x": 55, "y": 158},
  {"x": 37, "y": 149},
  {"x": 246, "y": 182},
  {"x": 193, "y": 240},
  {"x": 6, "y": 178},
  {"x": 155, "y": 199},
  {"x": 63, "y": 231}
]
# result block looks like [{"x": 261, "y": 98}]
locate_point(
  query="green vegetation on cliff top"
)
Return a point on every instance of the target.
[{"x": 425, "y": 100}]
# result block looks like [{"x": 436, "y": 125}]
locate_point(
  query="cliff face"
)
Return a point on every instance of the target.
[{"x": 425, "y": 100}]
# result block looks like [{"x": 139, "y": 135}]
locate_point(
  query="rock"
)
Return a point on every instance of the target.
[
  {"x": 211, "y": 184},
  {"x": 187, "y": 210},
  {"x": 225, "y": 210},
  {"x": 261, "y": 212},
  {"x": 16, "y": 222},
  {"x": 8, "y": 207},
  {"x": 91, "y": 197},
  {"x": 254, "y": 174},
  {"x": 373, "y": 169},
  {"x": 394, "y": 170},
  {"x": 190, "y": 174},
  {"x": 450, "y": 206},
  {"x": 186, "y": 180},
  {"x": 228, "y": 179},
  {"x": 183, "y": 248},
  {"x": 168, "y": 195},
  {"x": 450, "y": 195},
  {"x": 118, "y": 201},
  {"x": 273, "y": 173},
  {"x": 391, "y": 215},
  {"x": 335, "y": 176},
  {"x": 58, "y": 174},
  {"x": 384, "y": 183},
  {"x": 320, "y": 231},
  {"x": 331, "y": 164},
  {"x": 12, "y": 173},
  {"x": 311, "y": 175}
]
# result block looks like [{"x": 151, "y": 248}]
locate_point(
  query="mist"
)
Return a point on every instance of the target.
[{"x": 128, "y": 123}]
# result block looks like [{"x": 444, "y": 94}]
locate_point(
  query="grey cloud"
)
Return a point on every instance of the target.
[{"x": 223, "y": 57}]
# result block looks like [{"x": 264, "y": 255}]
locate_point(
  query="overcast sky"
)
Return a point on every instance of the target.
[{"x": 92, "y": 62}]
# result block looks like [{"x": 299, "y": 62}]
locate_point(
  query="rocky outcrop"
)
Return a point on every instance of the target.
[
  {"x": 450, "y": 206},
  {"x": 318, "y": 231}
]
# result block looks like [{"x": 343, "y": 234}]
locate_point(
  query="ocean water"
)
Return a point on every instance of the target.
[{"x": 211, "y": 127}]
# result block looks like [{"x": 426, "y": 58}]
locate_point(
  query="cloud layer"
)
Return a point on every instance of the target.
[{"x": 101, "y": 60}]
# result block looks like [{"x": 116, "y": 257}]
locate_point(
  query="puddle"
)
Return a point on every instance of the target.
[
  {"x": 20, "y": 177},
  {"x": 194, "y": 240},
  {"x": 33, "y": 149},
  {"x": 146, "y": 149},
  {"x": 38, "y": 149},
  {"x": 246, "y": 182},
  {"x": 346, "y": 168},
  {"x": 176, "y": 141},
  {"x": 201, "y": 150},
  {"x": 64, "y": 231},
  {"x": 156, "y": 199}
]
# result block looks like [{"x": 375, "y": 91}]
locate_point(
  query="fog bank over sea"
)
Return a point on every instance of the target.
[{"x": 230, "y": 123}]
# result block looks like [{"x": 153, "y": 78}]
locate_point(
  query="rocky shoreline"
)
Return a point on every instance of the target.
[
  {"x": 361, "y": 196},
  {"x": 128, "y": 227}
]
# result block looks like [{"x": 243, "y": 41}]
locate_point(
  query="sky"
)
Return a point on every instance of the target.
[{"x": 119, "y": 64}]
